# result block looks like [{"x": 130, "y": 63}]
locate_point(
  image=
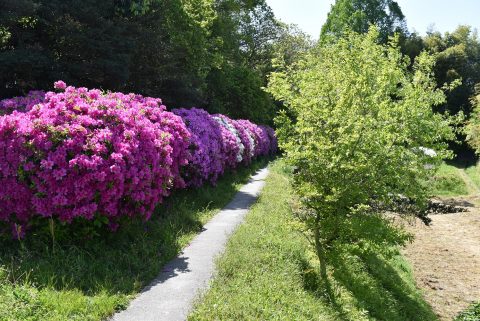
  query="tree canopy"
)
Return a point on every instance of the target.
[
  {"x": 457, "y": 53},
  {"x": 457, "y": 56},
  {"x": 357, "y": 128},
  {"x": 358, "y": 15},
  {"x": 207, "y": 53}
]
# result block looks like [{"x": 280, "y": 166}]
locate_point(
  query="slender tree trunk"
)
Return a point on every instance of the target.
[
  {"x": 321, "y": 254},
  {"x": 322, "y": 257}
]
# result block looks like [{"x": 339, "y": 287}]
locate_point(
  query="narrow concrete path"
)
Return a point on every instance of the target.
[{"x": 171, "y": 295}]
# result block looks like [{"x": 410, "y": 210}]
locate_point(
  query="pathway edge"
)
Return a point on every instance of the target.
[{"x": 170, "y": 297}]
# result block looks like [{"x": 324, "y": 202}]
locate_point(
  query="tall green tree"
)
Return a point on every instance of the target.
[
  {"x": 358, "y": 15},
  {"x": 259, "y": 31},
  {"x": 172, "y": 56},
  {"x": 244, "y": 34},
  {"x": 358, "y": 136}
]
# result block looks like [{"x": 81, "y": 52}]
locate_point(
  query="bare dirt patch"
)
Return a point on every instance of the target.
[{"x": 446, "y": 261}]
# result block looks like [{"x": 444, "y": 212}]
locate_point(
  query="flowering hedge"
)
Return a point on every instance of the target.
[
  {"x": 207, "y": 153},
  {"x": 79, "y": 153}
]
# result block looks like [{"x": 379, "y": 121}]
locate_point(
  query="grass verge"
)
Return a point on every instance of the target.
[
  {"x": 449, "y": 182},
  {"x": 268, "y": 272},
  {"x": 90, "y": 279},
  {"x": 473, "y": 173}
]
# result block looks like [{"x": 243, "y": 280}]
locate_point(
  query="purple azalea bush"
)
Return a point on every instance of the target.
[
  {"x": 79, "y": 153},
  {"x": 207, "y": 153},
  {"x": 246, "y": 140},
  {"x": 253, "y": 131},
  {"x": 232, "y": 145}
]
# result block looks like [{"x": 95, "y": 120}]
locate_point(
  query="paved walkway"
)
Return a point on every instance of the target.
[{"x": 171, "y": 295}]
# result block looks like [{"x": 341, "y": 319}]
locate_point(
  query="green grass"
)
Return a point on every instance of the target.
[
  {"x": 91, "y": 278},
  {"x": 268, "y": 272},
  {"x": 473, "y": 172},
  {"x": 471, "y": 314},
  {"x": 449, "y": 182}
]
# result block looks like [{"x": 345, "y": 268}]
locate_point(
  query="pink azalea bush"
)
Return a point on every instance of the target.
[
  {"x": 22, "y": 103},
  {"x": 93, "y": 155},
  {"x": 15, "y": 192},
  {"x": 83, "y": 153}
]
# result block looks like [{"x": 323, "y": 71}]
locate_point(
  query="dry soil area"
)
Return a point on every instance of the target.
[{"x": 446, "y": 261}]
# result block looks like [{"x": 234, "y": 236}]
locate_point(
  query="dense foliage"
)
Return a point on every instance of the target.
[
  {"x": 472, "y": 129},
  {"x": 457, "y": 53},
  {"x": 357, "y": 131},
  {"x": 457, "y": 56},
  {"x": 208, "y": 53},
  {"x": 359, "y": 15},
  {"x": 214, "y": 54},
  {"x": 104, "y": 156}
]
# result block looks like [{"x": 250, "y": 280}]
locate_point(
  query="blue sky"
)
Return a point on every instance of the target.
[{"x": 445, "y": 15}]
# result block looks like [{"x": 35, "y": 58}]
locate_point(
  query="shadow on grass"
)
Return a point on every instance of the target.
[
  {"x": 379, "y": 288},
  {"x": 125, "y": 261},
  {"x": 373, "y": 277}
]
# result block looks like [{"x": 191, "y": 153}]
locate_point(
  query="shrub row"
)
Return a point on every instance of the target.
[{"x": 79, "y": 153}]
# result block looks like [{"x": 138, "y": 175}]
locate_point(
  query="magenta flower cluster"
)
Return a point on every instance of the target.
[
  {"x": 22, "y": 103},
  {"x": 79, "y": 153}
]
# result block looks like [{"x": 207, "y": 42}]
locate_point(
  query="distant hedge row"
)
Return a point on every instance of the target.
[{"x": 104, "y": 155}]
